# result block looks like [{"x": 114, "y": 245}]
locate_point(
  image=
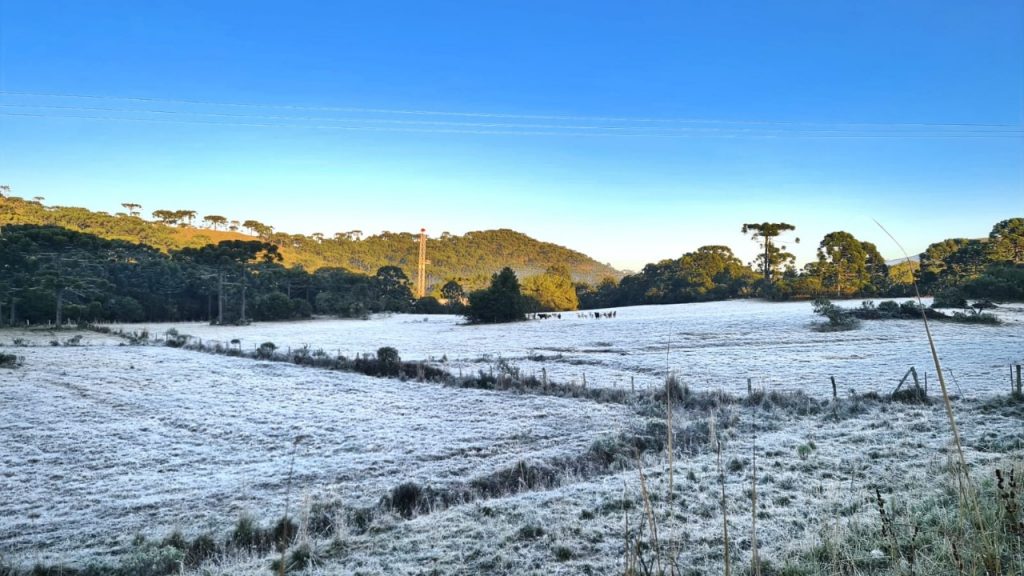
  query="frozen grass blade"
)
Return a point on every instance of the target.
[
  {"x": 725, "y": 511},
  {"x": 991, "y": 557},
  {"x": 755, "y": 560},
  {"x": 649, "y": 510},
  {"x": 285, "y": 536}
]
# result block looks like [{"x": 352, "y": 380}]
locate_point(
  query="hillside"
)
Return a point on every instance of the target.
[{"x": 472, "y": 257}]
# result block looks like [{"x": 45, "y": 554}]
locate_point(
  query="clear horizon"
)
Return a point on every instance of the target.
[{"x": 629, "y": 135}]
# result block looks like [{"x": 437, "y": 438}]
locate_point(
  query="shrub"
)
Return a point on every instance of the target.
[
  {"x": 889, "y": 309},
  {"x": 564, "y": 554},
  {"x": 284, "y": 532},
  {"x": 428, "y": 305},
  {"x": 407, "y": 499},
  {"x": 266, "y": 350},
  {"x": 910, "y": 395},
  {"x": 972, "y": 316},
  {"x": 910, "y": 308},
  {"x": 249, "y": 535},
  {"x": 530, "y": 532},
  {"x": 838, "y": 318},
  {"x": 298, "y": 560},
  {"x": 174, "y": 339},
  {"x": 151, "y": 559},
  {"x": 9, "y": 361},
  {"x": 949, "y": 298},
  {"x": 389, "y": 360},
  {"x": 200, "y": 549}
]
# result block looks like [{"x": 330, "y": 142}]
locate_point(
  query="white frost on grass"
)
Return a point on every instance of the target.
[
  {"x": 578, "y": 528},
  {"x": 41, "y": 336},
  {"x": 100, "y": 443},
  {"x": 714, "y": 345}
]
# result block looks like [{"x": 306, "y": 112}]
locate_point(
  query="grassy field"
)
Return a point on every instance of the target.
[{"x": 150, "y": 460}]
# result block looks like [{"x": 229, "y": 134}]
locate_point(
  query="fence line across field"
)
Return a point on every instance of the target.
[{"x": 289, "y": 356}]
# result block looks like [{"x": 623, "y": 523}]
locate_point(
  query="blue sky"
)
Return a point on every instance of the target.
[{"x": 630, "y": 131}]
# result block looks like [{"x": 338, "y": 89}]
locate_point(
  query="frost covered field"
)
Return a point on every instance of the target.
[
  {"x": 714, "y": 345},
  {"x": 101, "y": 441}
]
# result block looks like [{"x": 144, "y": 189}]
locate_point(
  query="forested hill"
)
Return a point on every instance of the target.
[{"x": 471, "y": 258}]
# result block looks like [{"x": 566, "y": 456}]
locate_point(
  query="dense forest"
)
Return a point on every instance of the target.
[
  {"x": 952, "y": 270},
  {"x": 53, "y": 273},
  {"x": 470, "y": 258}
]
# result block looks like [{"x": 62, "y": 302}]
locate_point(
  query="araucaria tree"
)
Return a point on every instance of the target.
[
  {"x": 501, "y": 302},
  {"x": 393, "y": 289},
  {"x": 848, "y": 266},
  {"x": 1006, "y": 242},
  {"x": 772, "y": 258},
  {"x": 215, "y": 221},
  {"x": 168, "y": 217},
  {"x": 234, "y": 258}
]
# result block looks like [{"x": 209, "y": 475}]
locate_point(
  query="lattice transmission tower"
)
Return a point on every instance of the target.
[{"x": 421, "y": 268}]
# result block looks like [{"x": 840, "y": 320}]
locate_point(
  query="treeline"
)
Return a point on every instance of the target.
[
  {"x": 470, "y": 258},
  {"x": 846, "y": 267},
  {"x": 989, "y": 268},
  {"x": 51, "y": 274}
]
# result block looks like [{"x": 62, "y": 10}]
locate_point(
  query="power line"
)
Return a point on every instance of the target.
[
  {"x": 476, "y": 114},
  {"x": 456, "y": 124},
  {"x": 626, "y": 132}
]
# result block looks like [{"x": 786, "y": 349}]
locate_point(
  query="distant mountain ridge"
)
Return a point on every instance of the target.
[{"x": 470, "y": 258}]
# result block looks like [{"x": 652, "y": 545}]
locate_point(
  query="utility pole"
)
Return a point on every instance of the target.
[
  {"x": 5, "y": 191},
  {"x": 421, "y": 269}
]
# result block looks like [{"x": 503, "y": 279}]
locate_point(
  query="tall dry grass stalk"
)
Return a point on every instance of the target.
[
  {"x": 630, "y": 559},
  {"x": 649, "y": 512},
  {"x": 755, "y": 560},
  {"x": 285, "y": 536},
  {"x": 670, "y": 383},
  {"x": 968, "y": 493},
  {"x": 935, "y": 358},
  {"x": 724, "y": 501}
]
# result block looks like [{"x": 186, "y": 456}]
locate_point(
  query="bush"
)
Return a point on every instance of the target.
[
  {"x": 407, "y": 499},
  {"x": 949, "y": 298},
  {"x": 9, "y": 361},
  {"x": 389, "y": 360},
  {"x": 838, "y": 318},
  {"x": 201, "y": 549},
  {"x": 284, "y": 532},
  {"x": 266, "y": 350},
  {"x": 428, "y": 305},
  {"x": 910, "y": 308},
  {"x": 975, "y": 317},
  {"x": 298, "y": 560},
  {"x": 910, "y": 395},
  {"x": 564, "y": 554},
  {"x": 248, "y": 535},
  {"x": 151, "y": 559},
  {"x": 889, "y": 309}
]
